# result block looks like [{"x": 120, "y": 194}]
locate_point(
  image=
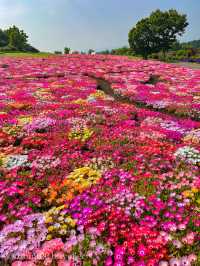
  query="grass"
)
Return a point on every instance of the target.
[
  {"x": 21, "y": 54},
  {"x": 134, "y": 57}
]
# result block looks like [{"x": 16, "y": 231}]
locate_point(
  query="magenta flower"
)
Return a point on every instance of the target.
[{"x": 142, "y": 251}]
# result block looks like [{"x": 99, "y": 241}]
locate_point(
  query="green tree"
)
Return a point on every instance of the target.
[
  {"x": 122, "y": 51},
  {"x": 17, "y": 38},
  {"x": 141, "y": 39},
  {"x": 104, "y": 52},
  {"x": 158, "y": 32},
  {"x": 90, "y": 51},
  {"x": 176, "y": 46},
  {"x": 3, "y": 38},
  {"x": 167, "y": 26},
  {"x": 66, "y": 50},
  {"x": 57, "y": 52}
]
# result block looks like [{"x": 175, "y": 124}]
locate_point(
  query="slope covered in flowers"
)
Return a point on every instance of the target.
[{"x": 88, "y": 178}]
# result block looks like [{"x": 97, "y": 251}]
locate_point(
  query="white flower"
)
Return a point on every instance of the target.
[
  {"x": 188, "y": 154},
  {"x": 16, "y": 161}
]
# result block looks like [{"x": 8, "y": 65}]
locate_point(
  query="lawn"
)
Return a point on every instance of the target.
[{"x": 21, "y": 54}]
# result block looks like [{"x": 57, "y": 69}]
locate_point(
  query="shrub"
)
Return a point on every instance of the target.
[{"x": 57, "y": 52}]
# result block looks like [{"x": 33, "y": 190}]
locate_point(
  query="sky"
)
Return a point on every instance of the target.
[{"x": 84, "y": 24}]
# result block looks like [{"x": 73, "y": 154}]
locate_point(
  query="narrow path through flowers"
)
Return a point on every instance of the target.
[{"x": 105, "y": 86}]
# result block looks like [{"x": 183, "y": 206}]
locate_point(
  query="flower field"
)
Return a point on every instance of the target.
[{"x": 99, "y": 162}]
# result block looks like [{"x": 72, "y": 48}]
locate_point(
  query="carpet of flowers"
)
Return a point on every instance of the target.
[{"x": 89, "y": 180}]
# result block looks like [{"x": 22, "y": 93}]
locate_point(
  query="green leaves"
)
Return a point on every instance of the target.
[
  {"x": 157, "y": 33},
  {"x": 17, "y": 38},
  {"x": 67, "y": 50}
]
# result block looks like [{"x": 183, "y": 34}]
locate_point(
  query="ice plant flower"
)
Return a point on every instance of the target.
[{"x": 99, "y": 162}]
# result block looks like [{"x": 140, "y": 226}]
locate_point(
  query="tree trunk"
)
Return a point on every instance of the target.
[{"x": 164, "y": 55}]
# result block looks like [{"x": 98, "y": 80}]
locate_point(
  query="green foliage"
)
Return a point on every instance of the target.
[
  {"x": 7, "y": 49},
  {"x": 29, "y": 48},
  {"x": 145, "y": 187},
  {"x": 191, "y": 44},
  {"x": 178, "y": 55},
  {"x": 167, "y": 26},
  {"x": 15, "y": 39},
  {"x": 3, "y": 38},
  {"x": 182, "y": 53},
  {"x": 104, "y": 52},
  {"x": 122, "y": 51},
  {"x": 157, "y": 33},
  {"x": 118, "y": 51},
  {"x": 142, "y": 39},
  {"x": 57, "y": 52},
  {"x": 90, "y": 51},
  {"x": 25, "y": 54},
  {"x": 66, "y": 50},
  {"x": 176, "y": 46}
]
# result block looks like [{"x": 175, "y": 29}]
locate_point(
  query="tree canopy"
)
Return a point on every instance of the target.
[
  {"x": 3, "y": 38},
  {"x": 67, "y": 50},
  {"x": 158, "y": 32},
  {"x": 16, "y": 38},
  {"x": 13, "y": 39},
  {"x": 91, "y": 51}
]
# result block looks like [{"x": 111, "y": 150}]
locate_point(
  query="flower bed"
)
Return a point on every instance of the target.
[{"x": 88, "y": 179}]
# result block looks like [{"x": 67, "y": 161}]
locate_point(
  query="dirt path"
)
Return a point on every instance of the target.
[{"x": 105, "y": 86}]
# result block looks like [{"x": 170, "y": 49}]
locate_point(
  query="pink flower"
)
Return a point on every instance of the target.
[
  {"x": 64, "y": 263},
  {"x": 174, "y": 262},
  {"x": 119, "y": 263},
  {"x": 185, "y": 261},
  {"x": 130, "y": 260},
  {"x": 177, "y": 243},
  {"x": 40, "y": 255},
  {"x": 163, "y": 263},
  {"x": 181, "y": 226},
  {"x": 68, "y": 248},
  {"x": 48, "y": 261},
  {"x": 142, "y": 250},
  {"x": 59, "y": 255},
  {"x": 192, "y": 258},
  {"x": 23, "y": 263},
  {"x": 108, "y": 261},
  {"x": 28, "y": 263},
  {"x": 17, "y": 263},
  {"x": 140, "y": 263},
  {"x": 189, "y": 238},
  {"x": 90, "y": 253}
]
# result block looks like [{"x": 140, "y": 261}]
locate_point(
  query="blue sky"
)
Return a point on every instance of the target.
[{"x": 84, "y": 24}]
